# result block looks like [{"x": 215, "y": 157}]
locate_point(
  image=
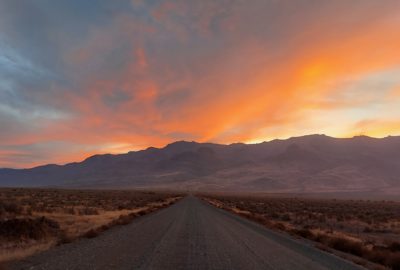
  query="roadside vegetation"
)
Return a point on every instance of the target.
[
  {"x": 33, "y": 220},
  {"x": 367, "y": 232}
]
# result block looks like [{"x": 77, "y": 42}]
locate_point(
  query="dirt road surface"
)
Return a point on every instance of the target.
[{"x": 190, "y": 234}]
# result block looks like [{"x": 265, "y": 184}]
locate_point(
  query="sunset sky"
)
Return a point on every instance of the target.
[{"x": 84, "y": 77}]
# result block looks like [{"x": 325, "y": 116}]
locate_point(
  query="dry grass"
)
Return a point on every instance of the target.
[
  {"x": 16, "y": 253},
  {"x": 32, "y": 220},
  {"x": 368, "y": 230}
]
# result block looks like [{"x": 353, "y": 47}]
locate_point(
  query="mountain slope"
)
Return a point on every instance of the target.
[{"x": 314, "y": 163}]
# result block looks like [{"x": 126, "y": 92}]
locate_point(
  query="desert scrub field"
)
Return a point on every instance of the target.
[
  {"x": 368, "y": 230},
  {"x": 32, "y": 220}
]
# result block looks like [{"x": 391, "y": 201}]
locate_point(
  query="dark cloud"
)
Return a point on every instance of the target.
[
  {"x": 76, "y": 74},
  {"x": 116, "y": 98}
]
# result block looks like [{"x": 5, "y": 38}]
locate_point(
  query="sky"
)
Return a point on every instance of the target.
[{"x": 79, "y": 78}]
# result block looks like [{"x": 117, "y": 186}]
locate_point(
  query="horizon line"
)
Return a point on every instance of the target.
[{"x": 197, "y": 142}]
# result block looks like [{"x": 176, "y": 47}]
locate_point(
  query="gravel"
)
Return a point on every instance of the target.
[{"x": 190, "y": 234}]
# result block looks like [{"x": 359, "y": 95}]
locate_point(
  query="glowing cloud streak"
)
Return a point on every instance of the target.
[{"x": 138, "y": 74}]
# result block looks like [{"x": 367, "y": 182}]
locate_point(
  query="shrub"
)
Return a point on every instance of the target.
[
  {"x": 27, "y": 228},
  {"x": 367, "y": 230},
  {"x": 305, "y": 233},
  {"x": 87, "y": 211},
  {"x": 280, "y": 226},
  {"x": 64, "y": 239},
  {"x": 92, "y": 233},
  {"x": 345, "y": 245},
  {"x": 394, "y": 246},
  {"x": 142, "y": 212},
  {"x": 349, "y": 217},
  {"x": 124, "y": 220},
  {"x": 393, "y": 261},
  {"x": 10, "y": 208}
]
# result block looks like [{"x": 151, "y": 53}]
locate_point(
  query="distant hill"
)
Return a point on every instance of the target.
[{"x": 308, "y": 164}]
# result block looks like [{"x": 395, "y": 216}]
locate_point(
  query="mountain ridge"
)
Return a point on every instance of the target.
[
  {"x": 152, "y": 148},
  {"x": 311, "y": 163}
]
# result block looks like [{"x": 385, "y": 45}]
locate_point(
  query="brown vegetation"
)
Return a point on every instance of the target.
[
  {"x": 368, "y": 230},
  {"x": 33, "y": 220}
]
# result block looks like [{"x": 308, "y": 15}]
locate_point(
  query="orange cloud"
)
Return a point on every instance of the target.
[
  {"x": 395, "y": 92},
  {"x": 376, "y": 128},
  {"x": 259, "y": 95},
  {"x": 208, "y": 72}
]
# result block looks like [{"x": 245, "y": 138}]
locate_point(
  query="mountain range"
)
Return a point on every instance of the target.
[{"x": 308, "y": 164}]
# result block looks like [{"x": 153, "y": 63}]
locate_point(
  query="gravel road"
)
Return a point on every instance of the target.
[{"x": 188, "y": 235}]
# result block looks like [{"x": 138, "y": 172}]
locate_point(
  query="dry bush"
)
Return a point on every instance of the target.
[
  {"x": 27, "y": 216},
  {"x": 305, "y": 233},
  {"x": 394, "y": 246},
  {"x": 279, "y": 226},
  {"x": 124, "y": 219},
  {"x": 393, "y": 261},
  {"x": 361, "y": 228},
  {"x": 10, "y": 209},
  {"x": 92, "y": 233},
  {"x": 345, "y": 245},
  {"x": 142, "y": 212},
  {"x": 64, "y": 238},
  {"x": 27, "y": 228}
]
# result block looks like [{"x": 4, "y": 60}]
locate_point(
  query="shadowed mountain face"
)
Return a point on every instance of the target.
[{"x": 308, "y": 164}]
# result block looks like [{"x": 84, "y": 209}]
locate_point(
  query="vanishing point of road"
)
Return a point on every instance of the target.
[{"x": 190, "y": 234}]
